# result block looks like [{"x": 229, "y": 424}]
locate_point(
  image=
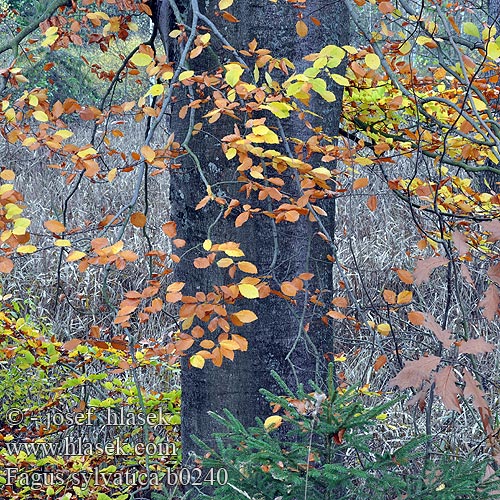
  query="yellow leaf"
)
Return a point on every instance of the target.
[
  {"x": 405, "y": 297},
  {"x": 248, "y": 291},
  {"x": 7, "y": 175},
  {"x": 279, "y": 109},
  {"x": 86, "y": 152},
  {"x": 10, "y": 115},
  {"x": 20, "y": 226},
  {"x": 26, "y": 249},
  {"x": 51, "y": 31},
  {"x": 361, "y": 160},
  {"x": 185, "y": 75},
  {"x": 422, "y": 40},
  {"x": 112, "y": 174},
  {"x": 234, "y": 72},
  {"x": 175, "y": 33},
  {"x": 384, "y": 329},
  {"x": 204, "y": 39},
  {"x": 12, "y": 209},
  {"x": 75, "y": 255},
  {"x": 372, "y": 60},
  {"x": 261, "y": 133},
  {"x": 197, "y": 361},
  {"x": 405, "y": 48},
  {"x": 479, "y": 104},
  {"x": 272, "y": 422},
  {"x": 321, "y": 173},
  {"x": 148, "y": 153},
  {"x": 64, "y": 133},
  {"x": 231, "y": 153},
  {"x": 341, "y": 80},
  {"x": 156, "y": 90},
  {"x": 41, "y": 116},
  {"x": 236, "y": 252},
  {"x": 224, "y": 4},
  {"x": 62, "y": 243},
  {"x": 207, "y": 245},
  {"x": 140, "y": 59}
]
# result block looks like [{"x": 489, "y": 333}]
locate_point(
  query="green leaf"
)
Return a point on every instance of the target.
[
  {"x": 471, "y": 29},
  {"x": 493, "y": 50}
]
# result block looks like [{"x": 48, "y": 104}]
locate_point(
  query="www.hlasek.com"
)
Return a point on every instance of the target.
[
  {"x": 81, "y": 447},
  {"x": 170, "y": 477}
]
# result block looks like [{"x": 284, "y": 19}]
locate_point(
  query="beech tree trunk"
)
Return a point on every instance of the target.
[{"x": 283, "y": 251}]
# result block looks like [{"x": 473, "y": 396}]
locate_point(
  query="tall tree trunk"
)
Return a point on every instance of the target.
[{"x": 276, "y": 341}]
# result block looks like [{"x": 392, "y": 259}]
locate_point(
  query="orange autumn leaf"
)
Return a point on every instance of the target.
[
  {"x": 360, "y": 183},
  {"x": 54, "y": 226},
  {"x": 138, "y": 219}
]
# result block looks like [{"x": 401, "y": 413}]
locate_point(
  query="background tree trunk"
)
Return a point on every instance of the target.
[{"x": 236, "y": 384}]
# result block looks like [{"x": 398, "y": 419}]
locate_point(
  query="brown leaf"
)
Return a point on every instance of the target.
[
  {"x": 380, "y": 362},
  {"x": 493, "y": 227},
  {"x": 475, "y": 346},
  {"x": 389, "y": 296},
  {"x": 6, "y": 265},
  {"x": 288, "y": 289},
  {"x": 425, "y": 267},
  {"x": 170, "y": 229},
  {"x": 415, "y": 372},
  {"x": 301, "y": 28},
  {"x": 372, "y": 202},
  {"x": 419, "y": 398},
  {"x": 447, "y": 389},
  {"x": 71, "y": 344},
  {"x": 340, "y": 302},
  {"x": 360, "y": 183},
  {"x": 54, "y": 226},
  {"x": 442, "y": 335},
  {"x": 405, "y": 276},
  {"x": 460, "y": 242},
  {"x": 472, "y": 389},
  {"x": 494, "y": 273},
  {"x": 489, "y": 303},
  {"x": 416, "y": 318},
  {"x": 138, "y": 219},
  {"x": 466, "y": 274}
]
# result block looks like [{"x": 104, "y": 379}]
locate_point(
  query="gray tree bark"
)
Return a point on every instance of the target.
[{"x": 293, "y": 247}]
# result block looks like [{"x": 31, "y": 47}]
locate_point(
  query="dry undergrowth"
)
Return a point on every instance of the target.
[{"x": 370, "y": 244}]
